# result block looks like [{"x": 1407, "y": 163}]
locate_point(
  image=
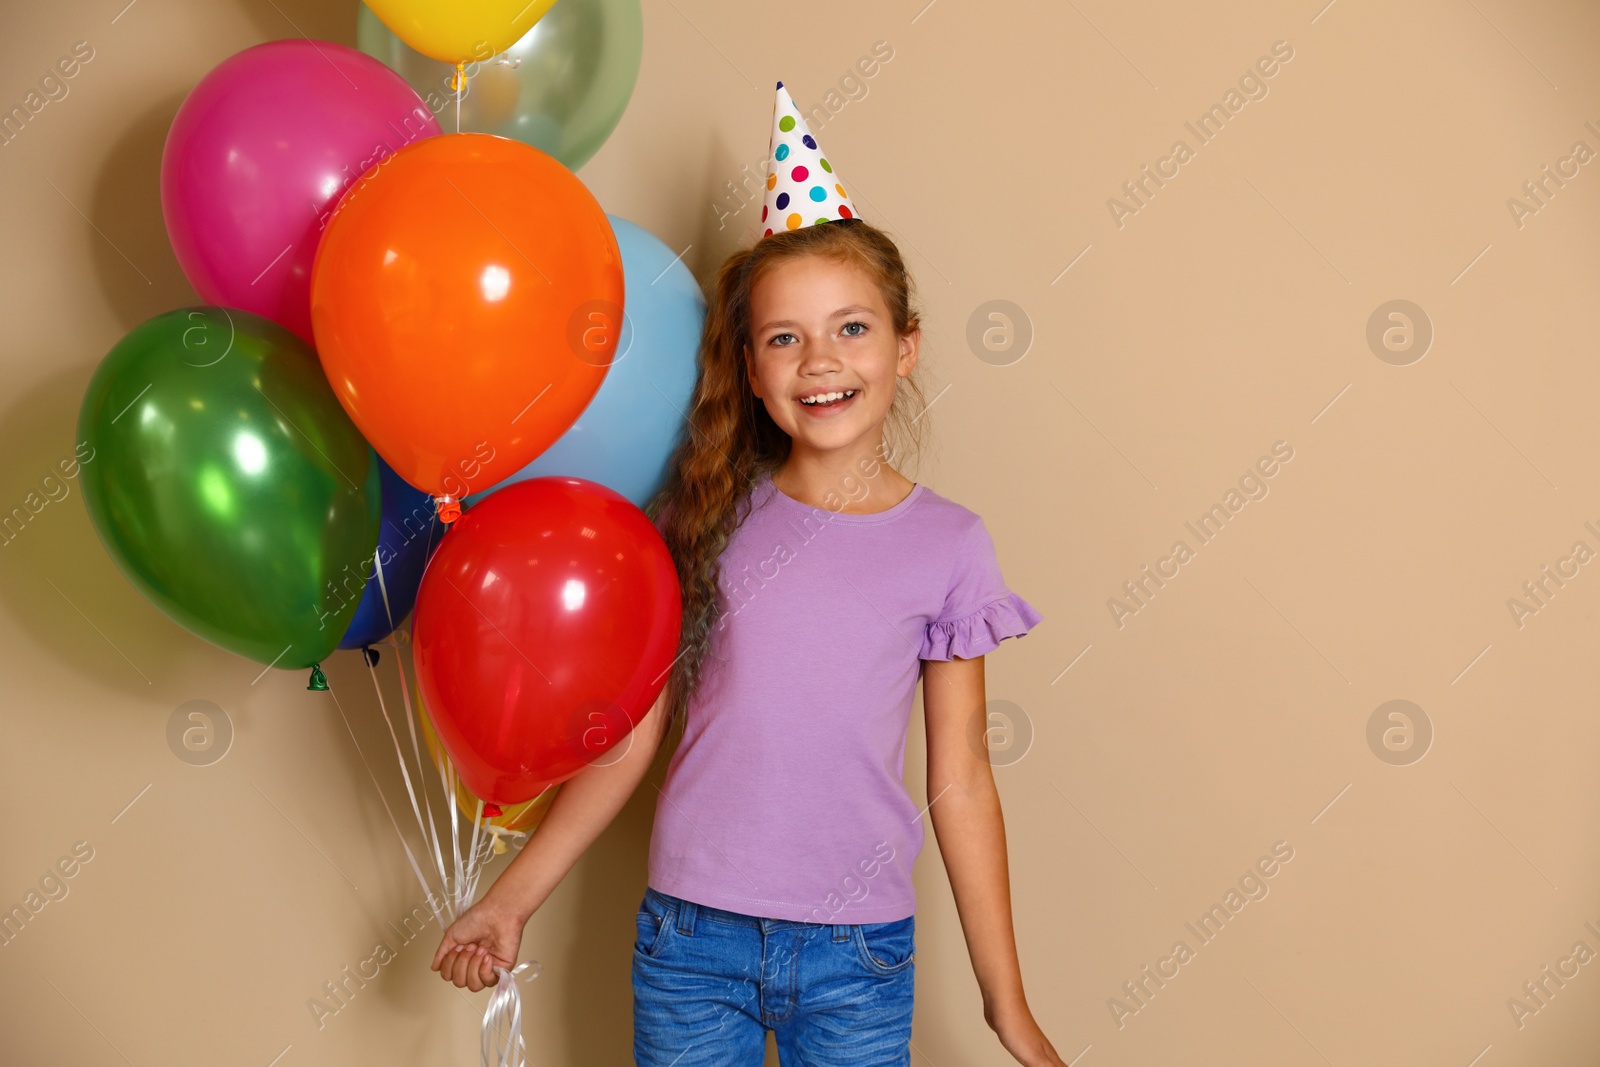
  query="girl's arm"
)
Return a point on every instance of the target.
[
  {"x": 965, "y": 809},
  {"x": 490, "y": 932}
]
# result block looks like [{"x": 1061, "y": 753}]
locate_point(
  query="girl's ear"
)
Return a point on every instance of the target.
[
  {"x": 750, "y": 371},
  {"x": 910, "y": 343}
]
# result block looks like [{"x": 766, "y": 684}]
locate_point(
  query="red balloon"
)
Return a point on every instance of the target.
[{"x": 544, "y": 630}]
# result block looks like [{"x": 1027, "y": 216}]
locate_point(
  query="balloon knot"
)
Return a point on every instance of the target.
[
  {"x": 371, "y": 655},
  {"x": 449, "y": 508},
  {"x": 492, "y": 811},
  {"x": 319, "y": 681},
  {"x": 458, "y": 79}
]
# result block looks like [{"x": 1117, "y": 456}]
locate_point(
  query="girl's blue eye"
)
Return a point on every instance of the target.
[{"x": 777, "y": 339}]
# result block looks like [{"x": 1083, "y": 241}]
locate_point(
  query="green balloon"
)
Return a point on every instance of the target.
[
  {"x": 562, "y": 88},
  {"x": 228, "y": 483}
]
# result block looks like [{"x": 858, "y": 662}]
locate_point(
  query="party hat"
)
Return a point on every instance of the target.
[{"x": 802, "y": 188}]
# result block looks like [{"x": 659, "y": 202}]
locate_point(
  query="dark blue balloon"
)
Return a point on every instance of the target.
[{"x": 406, "y": 538}]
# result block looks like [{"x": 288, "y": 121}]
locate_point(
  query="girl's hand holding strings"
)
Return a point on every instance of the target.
[{"x": 486, "y": 936}]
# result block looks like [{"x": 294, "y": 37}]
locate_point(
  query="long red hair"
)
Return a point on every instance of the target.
[{"x": 731, "y": 441}]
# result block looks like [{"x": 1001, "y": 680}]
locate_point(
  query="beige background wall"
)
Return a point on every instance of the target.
[{"x": 1231, "y": 712}]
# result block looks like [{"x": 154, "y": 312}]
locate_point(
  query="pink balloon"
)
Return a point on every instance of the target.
[{"x": 259, "y": 154}]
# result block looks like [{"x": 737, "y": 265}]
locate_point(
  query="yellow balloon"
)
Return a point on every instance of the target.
[
  {"x": 517, "y": 818},
  {"x": 460, "y": 31}
]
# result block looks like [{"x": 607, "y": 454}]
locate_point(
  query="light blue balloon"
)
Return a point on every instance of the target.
[{"x": 626, "y": 435}]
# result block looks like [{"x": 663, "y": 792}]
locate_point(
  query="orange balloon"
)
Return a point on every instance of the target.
[{"x": 466, "y": 299}]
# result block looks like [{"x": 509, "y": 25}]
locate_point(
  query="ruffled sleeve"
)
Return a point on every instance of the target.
[
  {"x": 980, "y": 611},
  {"x": 981, "y": 632}
]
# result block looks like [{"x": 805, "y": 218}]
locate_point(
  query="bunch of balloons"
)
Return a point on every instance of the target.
[{"x": 397, "y": 322}]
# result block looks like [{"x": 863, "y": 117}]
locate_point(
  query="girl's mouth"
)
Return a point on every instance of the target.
[{"x": 829, "y": 403}]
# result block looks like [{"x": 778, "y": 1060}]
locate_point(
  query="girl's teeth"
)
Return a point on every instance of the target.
[{"x": 824, "y": 399}]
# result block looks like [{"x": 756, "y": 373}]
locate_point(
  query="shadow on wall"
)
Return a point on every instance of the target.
[
  {"x": 133, "y": 261},
  {"x": 60, "y": 583},
  {"x": 143, "y": 278},
  {"x": 316, "y": 19},
  {"x": 56, "y": 579},
  {"x": 727, "y": 208}
]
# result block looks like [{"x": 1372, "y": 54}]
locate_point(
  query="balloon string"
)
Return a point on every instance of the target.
[
  {"x": 458, "y": 81},
  {"x": 377, "y": 562},
  {"x": 447, "y": 784},
  {"x": 474, "y": 862},
  {"x": 468, "y": 866},
  {"x": 427, "y": 889},
  {"x": 504, "y": 1013},
  {"x": 455, "y": 837},
  {"x": 433, "y": 526},
  {"x": 399, "y": 755},
  {"x": 416, "y": 751}
]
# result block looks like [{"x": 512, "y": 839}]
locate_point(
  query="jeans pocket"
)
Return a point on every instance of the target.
[
  {"x": 887, "y": 948},
  {"x": 656, "y": 916}
]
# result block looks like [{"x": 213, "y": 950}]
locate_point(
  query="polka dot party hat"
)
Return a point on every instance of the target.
[{"x": 802, "y": 188}]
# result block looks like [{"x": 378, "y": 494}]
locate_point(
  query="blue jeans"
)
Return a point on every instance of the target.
[{"x": 708, "y": 984}]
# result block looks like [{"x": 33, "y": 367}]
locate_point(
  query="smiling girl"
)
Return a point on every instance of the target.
[{"x": 820, "y": 584}]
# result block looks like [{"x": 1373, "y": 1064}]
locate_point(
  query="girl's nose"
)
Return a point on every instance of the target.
[{"x": 819, "y": 357}]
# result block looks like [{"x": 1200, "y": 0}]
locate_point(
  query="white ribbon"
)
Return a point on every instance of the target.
[
  {"x": 403, "y": 844},
  {"x": 505, "y": 1014},
  {"x": 405, "y": 774},
  {"x": 430, "y": 831},
  {"x": 502, "y": 1044}
]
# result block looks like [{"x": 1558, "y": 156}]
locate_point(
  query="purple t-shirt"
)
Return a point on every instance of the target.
[{"x": 785, "y": 797}]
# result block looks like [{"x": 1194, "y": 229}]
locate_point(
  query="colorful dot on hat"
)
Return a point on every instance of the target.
[
  {"x": 794, "y": 180},
  {"x": 767, "y": 234}
]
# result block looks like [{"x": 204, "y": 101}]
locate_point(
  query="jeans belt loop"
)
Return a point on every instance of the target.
[
  {"x": 686, "y": 917},
  {"x": 841, "y": 931}
]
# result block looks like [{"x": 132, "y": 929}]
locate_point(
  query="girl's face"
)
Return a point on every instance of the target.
[{"x": 820, "y": 327}]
